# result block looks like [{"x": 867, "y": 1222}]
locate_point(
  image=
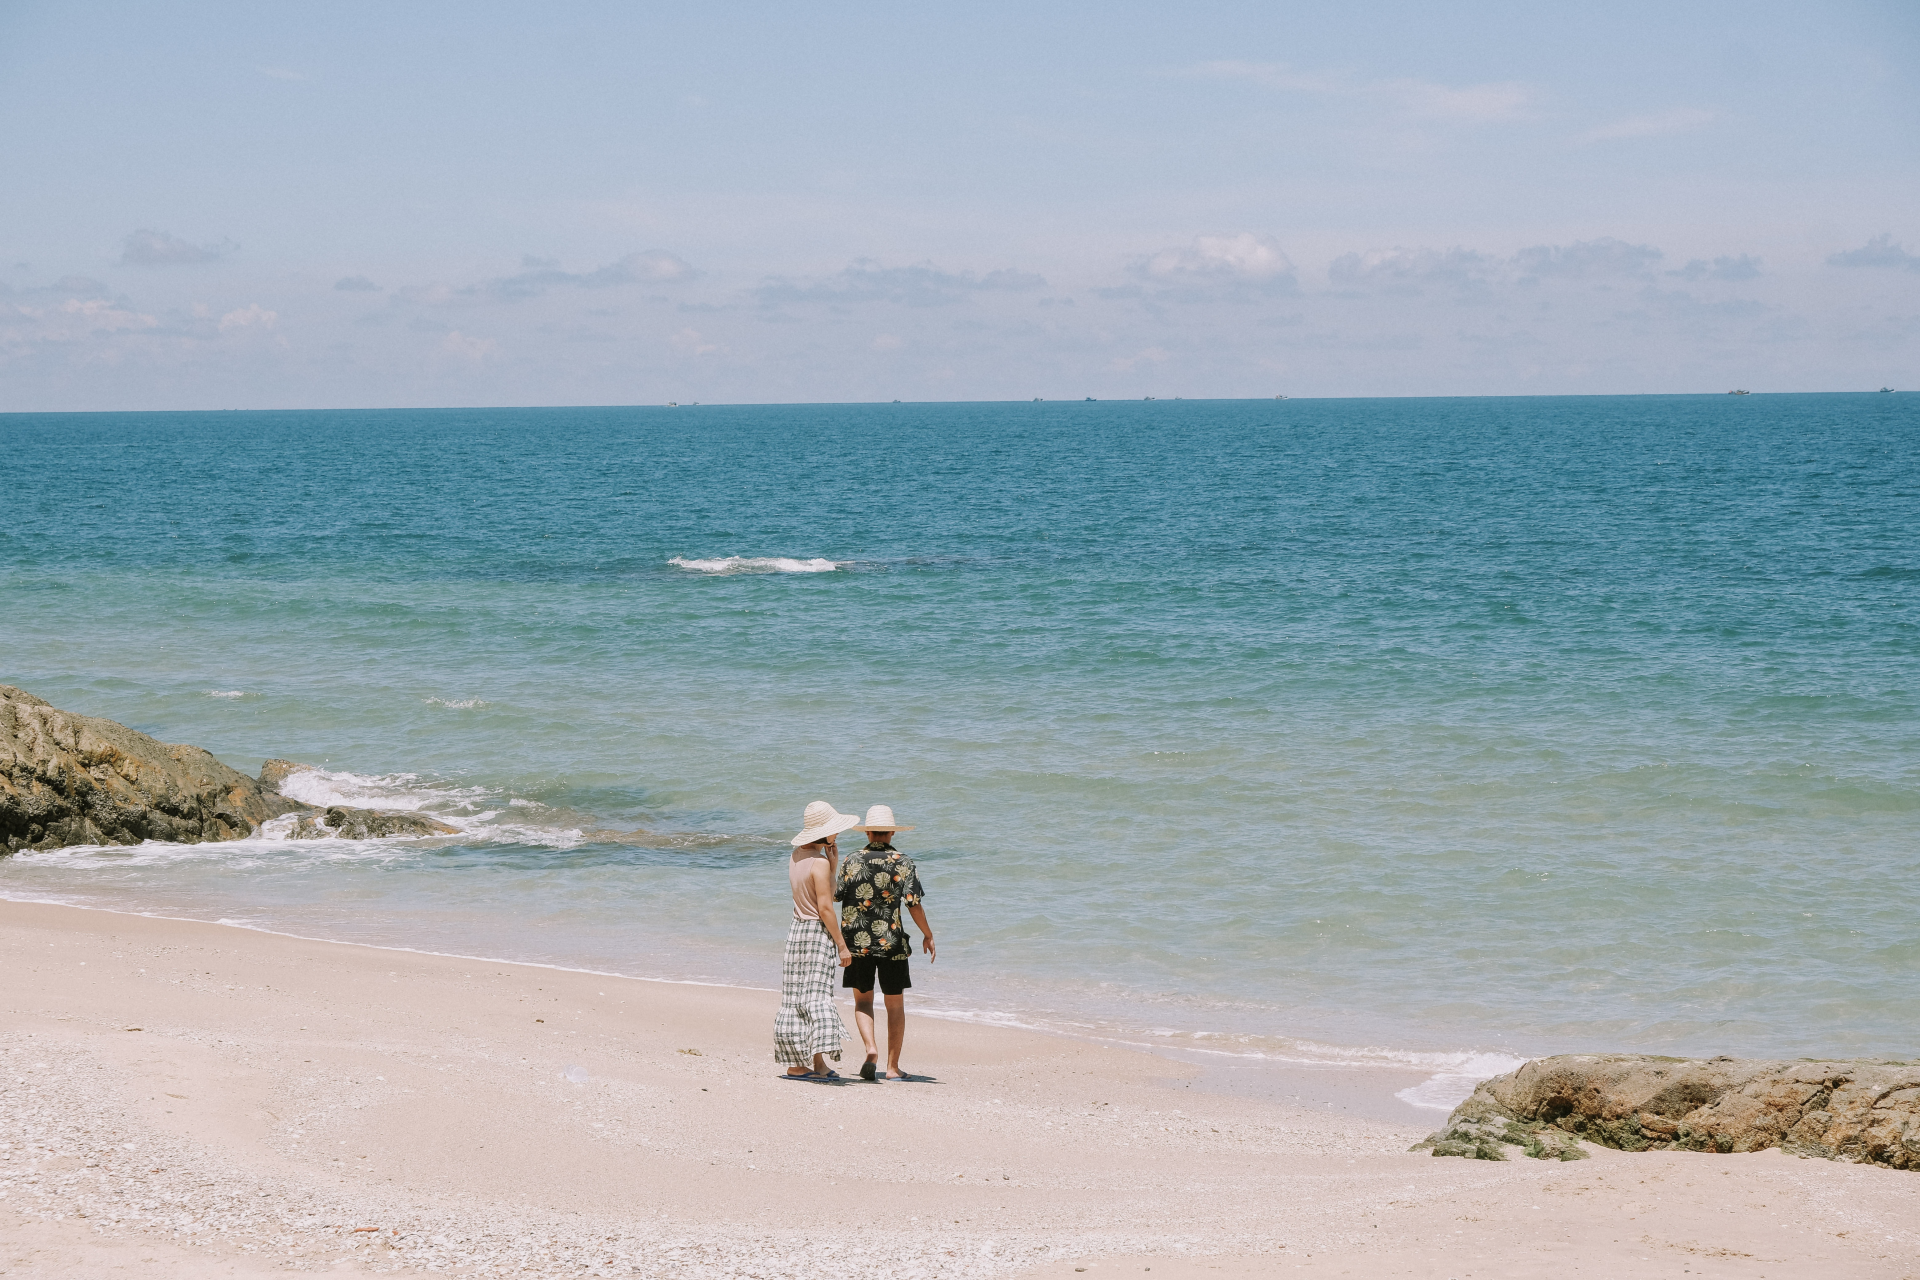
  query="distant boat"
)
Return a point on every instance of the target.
[
  {"x": 673, "y": 404},
  {"x": 896, "y": 402},
  {"x": 1886, "y": 391},
  {"x": 1739, "y": 393},
  {"x": 1089, "y": 399},
  {"x": 1146, "y": 397},
  {"x": 1279, "y": 397},
  {"x": 1037, "y": 400}
]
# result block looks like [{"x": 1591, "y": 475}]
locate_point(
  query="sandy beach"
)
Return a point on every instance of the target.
[{"x": 188, "y": 1099}]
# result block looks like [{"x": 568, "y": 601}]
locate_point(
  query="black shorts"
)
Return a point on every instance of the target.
[{"x": 893, "y": 975}]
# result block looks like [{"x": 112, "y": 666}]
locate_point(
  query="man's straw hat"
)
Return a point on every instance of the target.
[
  {"x": 880, "y": 818},
  {"x": 820, "y": 822}
]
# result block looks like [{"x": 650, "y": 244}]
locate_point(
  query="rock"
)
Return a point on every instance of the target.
[
  {"x": 275, "y": 772},
  {"x": 1861, "y": 1112},
  {"x": 367, "y": 824},
  {"x": 1481, "y": 1131},
  {"x": 68, "y": 779}
]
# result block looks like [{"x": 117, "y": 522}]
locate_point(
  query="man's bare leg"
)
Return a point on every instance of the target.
[
  {"x": 863, "y": 1021},
  {"x": 896, "y": 1029}
]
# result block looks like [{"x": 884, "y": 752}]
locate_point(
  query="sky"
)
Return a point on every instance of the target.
[{"x": 351, "y": 205}]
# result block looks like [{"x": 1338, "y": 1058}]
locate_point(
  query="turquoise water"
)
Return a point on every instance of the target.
[{"x": 1304, "y": 728}]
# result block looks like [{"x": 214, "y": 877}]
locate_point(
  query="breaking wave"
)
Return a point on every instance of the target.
[{"x": 757, "y": 564}]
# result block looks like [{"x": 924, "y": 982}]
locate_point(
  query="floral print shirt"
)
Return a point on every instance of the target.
[{"x": 874, "y": 885}]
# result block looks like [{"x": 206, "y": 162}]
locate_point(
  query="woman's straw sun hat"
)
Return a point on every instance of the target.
[
  {"x": 820, "y": 822},
  {"x": 880, "y": 818}
]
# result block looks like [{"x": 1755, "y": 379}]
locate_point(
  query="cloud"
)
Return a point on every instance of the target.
[
  {"x": 1603, "y": 257},
  {"x": 460, "y": 346},
  {"x": 252, "y": 316},
  {"x": 1880, "y": 251},
  {"x": 1744, "y": 267},
  {"x": 1146, "y": 356},
  {"x": 921, "y": 286},
  {"x": 149, "y": 248},
  {"x": 653, "y": 267},
  {"x": 356, "y": 284},
  {"x": 1408, "y": 269},
  {"x": 1244, "y": 258},
  {"x": 1679, "y": 120},
  {"x": 691, "y": 342},
  {"x": 1473, "y": 103}
]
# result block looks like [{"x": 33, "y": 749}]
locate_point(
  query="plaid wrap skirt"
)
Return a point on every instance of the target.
[{"x": 807, "y": 1022}]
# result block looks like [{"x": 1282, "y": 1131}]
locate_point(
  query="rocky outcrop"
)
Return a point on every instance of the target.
[
  {"x": 343, "y": 823},
  {"x": 275, "y": 772},
  {"x": 1860, "y": 1112},
  {"x": 67, "y": 779}
]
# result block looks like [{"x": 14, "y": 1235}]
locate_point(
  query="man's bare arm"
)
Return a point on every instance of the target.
[{"x": 926, "y": 930}]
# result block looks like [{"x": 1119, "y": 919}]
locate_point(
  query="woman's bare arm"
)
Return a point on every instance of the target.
[{"x": 822, "y": 873}]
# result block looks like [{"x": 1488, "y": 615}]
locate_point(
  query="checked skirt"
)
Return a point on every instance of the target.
[{"x": 807, "y": 1022}]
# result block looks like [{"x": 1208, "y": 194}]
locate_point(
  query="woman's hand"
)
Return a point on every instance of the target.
[{"x": 846, "y": 957}]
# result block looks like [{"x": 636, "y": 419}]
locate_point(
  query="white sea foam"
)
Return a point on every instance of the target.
[
  {"x": 1453, "y": 1073},
  {"x": 226, "y": 693},
  {"x": 463, "y": 704},
  {"x": 758, "y": 564},
  {"x": 1446, "y": 1090}
]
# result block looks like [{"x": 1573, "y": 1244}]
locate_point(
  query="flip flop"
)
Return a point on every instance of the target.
[
  {"x": 811, "y": 1075},
  {"x": 867, "y": 1072}
]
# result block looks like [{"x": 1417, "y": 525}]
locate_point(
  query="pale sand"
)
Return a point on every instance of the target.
[{"x": 281, "y": 1093}]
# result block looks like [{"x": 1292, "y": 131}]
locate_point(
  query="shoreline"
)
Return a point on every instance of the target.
[
  {"x": 280, "y": 1097},
  {"x": 1327, "y": 1083}
]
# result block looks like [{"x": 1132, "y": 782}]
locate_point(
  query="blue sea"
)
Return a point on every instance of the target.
[{"x": 1417, "y": 732}]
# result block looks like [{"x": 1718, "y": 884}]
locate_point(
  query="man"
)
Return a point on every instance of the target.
[{"x": 874, "y": 884}]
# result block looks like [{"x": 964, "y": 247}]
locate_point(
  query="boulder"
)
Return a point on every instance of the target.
[
  {"x": 69, "y": 779},
  {"x": 275, "y": 772},
  {"x": 1862, "y": 1112},
  {"x": 367, "y": 824}
]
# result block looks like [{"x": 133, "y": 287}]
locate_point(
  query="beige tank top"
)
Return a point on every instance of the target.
[{"x": 804, "y": 906}]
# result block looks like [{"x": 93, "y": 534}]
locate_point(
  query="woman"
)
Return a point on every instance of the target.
[{"x": 807, "y": 1029}]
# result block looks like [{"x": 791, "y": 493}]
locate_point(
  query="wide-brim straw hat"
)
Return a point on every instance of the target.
[
  {"x": 880, "y": 818},
  {"x": 821, "y": 821}
]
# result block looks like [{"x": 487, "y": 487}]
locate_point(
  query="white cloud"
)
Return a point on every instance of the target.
[
  {"x": 149, "y": 248},
  {"x": 1586, "y": 258},
  {"x": 690, "y": 342},
  {"x": 1473, "y": 103},
  {"x": 73, "y": 321},
  {"x": 459, "y": 345},
  {"x": 1243, "y": 257},
  {"x": 1880, "y": 251},
  {"x": 1146, "y": 356},
  {"x": 1744, "y": 267},
  {"x": 655, "y": 266},
  {"x": 252, "y": 316},
  {"x": 1679, "y": 120},
  {"x": 921, "y": 286},
  {"x": 1412, "y": 268}
]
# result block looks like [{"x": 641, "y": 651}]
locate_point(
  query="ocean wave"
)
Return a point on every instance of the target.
[
  {"x": 226, "y": 693},
  {"x": 462, "y": 704},
  {"x": 758, "y": 564}
]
